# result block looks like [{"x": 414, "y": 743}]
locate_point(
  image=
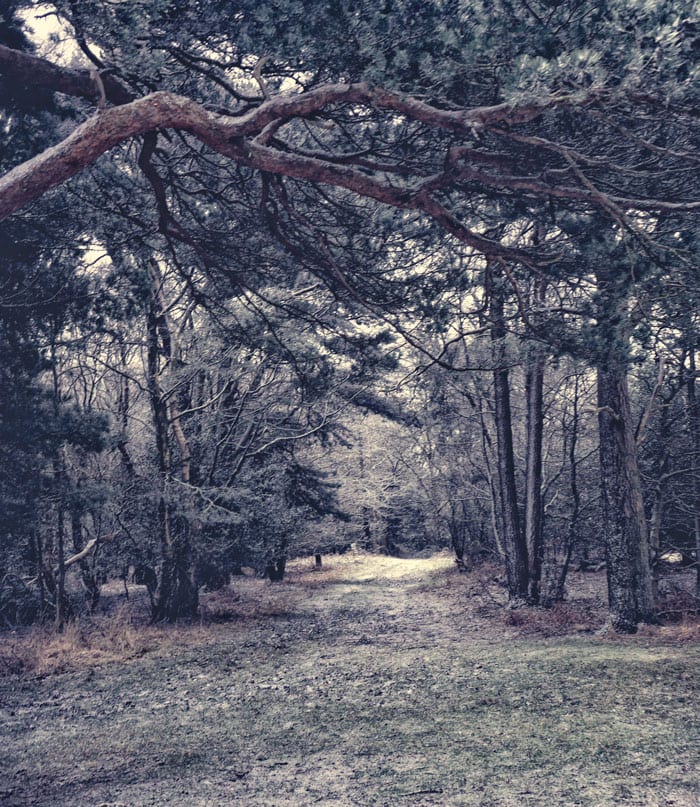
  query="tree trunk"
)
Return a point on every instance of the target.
[
  {"x": 40, "y": 571},
  {"x": 366, "y": 513},
  {"x": 534, "y": 383},
  {"x": 556, "y": 569},
  {"x": 494, "y": 500},
  {"x": 534, "y": 386},
  {"x": 124, "y": 412},
  {"x": 275, "y": 569},
  {"x": 657, "y": 507},
  {"x": 630, "y": 591},
  {"x": 177, "y": 595},
  {"x": 513, "y": 538},
  {"x": 694, "y": 428},
  {"x": 392, "y": 532},
  {"x": 661, "y": 466},
  {"x": 60, "y": 592},
  {"x": 58, "y": 582}
]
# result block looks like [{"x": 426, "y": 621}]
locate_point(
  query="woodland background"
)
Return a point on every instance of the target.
[{"x": 439, "y": 289}]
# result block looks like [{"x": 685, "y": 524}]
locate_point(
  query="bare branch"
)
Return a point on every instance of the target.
[{"x": 84, "y": 552}]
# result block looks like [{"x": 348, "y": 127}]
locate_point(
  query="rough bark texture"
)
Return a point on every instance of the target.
[
  {"x": 235, "y": 138},
  {"x": 627, "y": 548},
  {"x": 33, "y": 70},
  {"x": 177, "y": 595}
]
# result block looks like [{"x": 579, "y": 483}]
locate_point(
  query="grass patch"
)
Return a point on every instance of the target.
[
  {"x": 359, "y": 693},
  {"x": 84, "y": 643}
]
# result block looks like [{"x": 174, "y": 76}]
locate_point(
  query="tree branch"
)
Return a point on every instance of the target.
[
  {"x": 37, "y": 72},
  {"x": 89, "y": 546},
  {"x": 233, "y": 136}
]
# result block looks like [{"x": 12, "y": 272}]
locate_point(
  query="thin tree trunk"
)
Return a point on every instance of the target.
[
  {"x": 559, "y": 591},
  {"x": 534, "y": 383},
  {"x": 123, "y": 414},
  {"x": 177, "y": 595},
  {"x": 657, "y": 507},
  {"x": 366, "y": 513},
  {"x": 496, "y": 515},
  {"x": 661, "y": 465},
  {"x": 513, "y": 539},
  {"x": 59, "y": 474},
  {"x": 694, "y": 427},
  {"x": 534, "y": 506},
  {"x": 559, "y": 588},
  {"x": 87, "y": 575},
  {"x": 60, "y": 593},
  {"x": 40, "y": 572}
]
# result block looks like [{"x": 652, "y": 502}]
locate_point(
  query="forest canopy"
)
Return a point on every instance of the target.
[{"x": 283, "y": 277}]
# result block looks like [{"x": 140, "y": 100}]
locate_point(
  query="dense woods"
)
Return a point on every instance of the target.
[{"x": 279, "y": 278}]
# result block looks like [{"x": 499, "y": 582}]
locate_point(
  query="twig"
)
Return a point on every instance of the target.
[
  {"x": 423, "y": 792},
  {"x": 257, "y": 75}
]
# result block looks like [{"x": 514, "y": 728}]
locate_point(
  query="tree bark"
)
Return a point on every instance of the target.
[
  {"x": 534, "y": 395},
  {"x": 694, "y": 428},
  {"x": 630, "y": 592},
  {"x": 660, "y": 470},
  {"x": 247, "y": 139},
  {"x": 513, "y": 538},
  {"x": 177, "y": 595},
  {"x": 534, "y": 383},
  {"x": 559, "y": 589},
  {"x": 60, "y": 589},
  {"x": 494, "y": 499},
  {"x": 628, "y": 562},
  {"x": 40, "y": 571},
  {"x": 58, "y": 581},
  {"x": 87, "y": 575}
]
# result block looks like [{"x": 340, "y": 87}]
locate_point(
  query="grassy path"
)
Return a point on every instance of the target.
[{"x": 371, "y": 684}]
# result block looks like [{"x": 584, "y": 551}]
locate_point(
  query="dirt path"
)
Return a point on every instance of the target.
[
  {"x": 389, "y": 600},
  {"x": 374, "y": 682}
]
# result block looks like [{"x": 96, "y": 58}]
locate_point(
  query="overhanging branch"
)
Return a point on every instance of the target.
[{"x": 234, "y": 136}]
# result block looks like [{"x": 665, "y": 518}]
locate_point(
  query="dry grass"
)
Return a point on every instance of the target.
[
  {"x": 123, "y": 631},
  {"x": 83, "y": 643},
  {"x": 373, "y": 682}
]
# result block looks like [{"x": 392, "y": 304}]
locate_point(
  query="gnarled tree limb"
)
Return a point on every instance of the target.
[{"x": 234, "y": 136}]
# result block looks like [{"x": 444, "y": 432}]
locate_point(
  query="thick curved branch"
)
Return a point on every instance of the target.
[
  {"x": 90, "y": 140},
  {"x": 37, "y": 72},
  {"x": 226, "y": 136},
  {"x": 235, "y": 137}
]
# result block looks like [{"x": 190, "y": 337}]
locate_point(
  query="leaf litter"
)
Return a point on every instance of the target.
[{"x": 376, "y": 681}]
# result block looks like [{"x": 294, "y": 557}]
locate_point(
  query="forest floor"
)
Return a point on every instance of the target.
[{"x": 376, "y": 681}]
